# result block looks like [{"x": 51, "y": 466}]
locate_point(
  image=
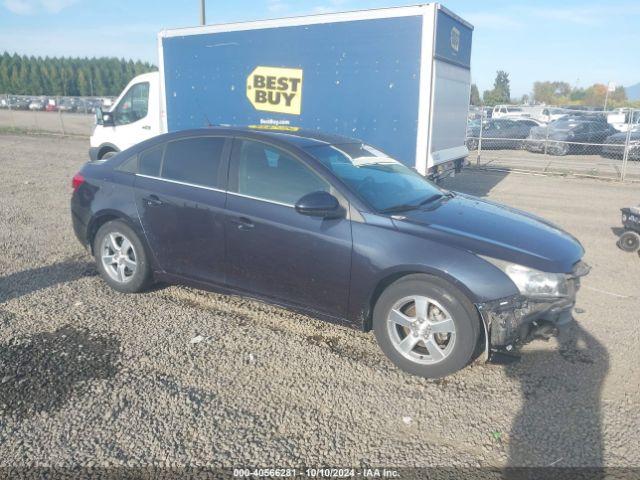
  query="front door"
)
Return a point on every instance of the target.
[
  {"x": 274, "y": 251},
  {"x": 180, "y": 198},
  {"x": 133, "y": 120}
]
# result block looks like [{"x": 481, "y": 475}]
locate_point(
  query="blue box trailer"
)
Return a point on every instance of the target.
[{"x": 397, "y": 78}]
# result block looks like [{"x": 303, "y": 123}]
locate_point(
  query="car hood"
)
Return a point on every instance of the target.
[{"x": 486, "y": 228}]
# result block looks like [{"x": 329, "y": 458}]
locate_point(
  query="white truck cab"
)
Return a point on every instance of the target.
[{"x": 135, "y": 116}]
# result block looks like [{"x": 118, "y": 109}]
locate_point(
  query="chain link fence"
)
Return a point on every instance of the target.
[
  {"x": 556, "y": 140},
  {"x": 56, "y": 115}
]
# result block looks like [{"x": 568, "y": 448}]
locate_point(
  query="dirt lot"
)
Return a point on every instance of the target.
[{"x": 92, "y": 377}]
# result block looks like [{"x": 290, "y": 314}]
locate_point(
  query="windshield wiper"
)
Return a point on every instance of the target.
[
  {"x": 430, "y": 199},
  {"x": 412, "y": 206}
]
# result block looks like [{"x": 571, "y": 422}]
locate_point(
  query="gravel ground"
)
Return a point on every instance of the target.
[{"x": 89, "y": 376}]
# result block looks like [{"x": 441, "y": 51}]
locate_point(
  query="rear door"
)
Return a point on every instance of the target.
[
  {"x": 274, "y": 251},
  {"x": 180, "y": 198}
]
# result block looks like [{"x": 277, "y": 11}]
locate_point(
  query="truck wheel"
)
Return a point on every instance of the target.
[
  {"x": 121, "y": 258},
  {"x": 629, "y": 241},
  {"x": 426, "y": 326},
  {"x": 109, "y": 154}
]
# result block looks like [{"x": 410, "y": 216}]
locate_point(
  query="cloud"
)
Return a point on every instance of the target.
[
  {"x": 499, "y": 21},
  {"x": 277, "y": 6},
  {"x": 31, "y": 7},
  {"x": 286, "y": 8}
]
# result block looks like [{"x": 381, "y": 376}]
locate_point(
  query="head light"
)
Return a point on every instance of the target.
[{"x": 533, "y": 283}]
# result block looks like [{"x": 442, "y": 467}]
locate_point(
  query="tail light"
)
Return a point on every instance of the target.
[{"x": 77, "y": 181}]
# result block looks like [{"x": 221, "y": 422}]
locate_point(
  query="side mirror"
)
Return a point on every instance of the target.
[
  {"x": 104, "y": 118},
  {"x": 319, "y": 204}
]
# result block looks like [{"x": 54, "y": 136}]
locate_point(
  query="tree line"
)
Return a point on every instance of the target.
[
  {"x": 61, "y": 76},
  {"x": 551, "y": 93}
]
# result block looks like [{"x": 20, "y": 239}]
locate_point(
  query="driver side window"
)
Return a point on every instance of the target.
[
  {"x": 134, "y": 105},
  {"x": 268, "y": 173}
]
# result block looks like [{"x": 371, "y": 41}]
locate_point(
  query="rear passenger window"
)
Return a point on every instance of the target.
[
  {"x": 149, "y": 161},
  {"x": 193, "y": 160}
]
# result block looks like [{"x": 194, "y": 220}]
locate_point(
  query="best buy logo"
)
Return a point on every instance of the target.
[{"x": 275, "y": 89}]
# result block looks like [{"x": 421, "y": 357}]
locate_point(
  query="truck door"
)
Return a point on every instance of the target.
[
  {"x": 133, "y": 120},
  {"x": 274, "y": 251}
]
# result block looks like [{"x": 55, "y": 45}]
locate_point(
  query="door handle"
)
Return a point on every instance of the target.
[
  {"x": 243, "y": 223},
  {"x": 147, "y": 127},
  {"x": 153, "y": 201}
]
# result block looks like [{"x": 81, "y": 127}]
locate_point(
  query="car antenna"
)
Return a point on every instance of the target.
[{"x": 209, "y": 124}]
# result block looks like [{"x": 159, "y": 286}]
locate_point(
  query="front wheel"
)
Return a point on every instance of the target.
[
  {"x": 426, "y": 326},
  {"x": 629, "y": 241},
  {"x": 121, "y": 258}
]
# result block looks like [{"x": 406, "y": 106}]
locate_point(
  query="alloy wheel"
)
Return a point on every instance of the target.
[
  {"x": 421, "y": 330},
  {"x": 118, "y": 257}
]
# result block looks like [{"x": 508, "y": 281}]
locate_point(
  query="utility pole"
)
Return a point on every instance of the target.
[
  {"x": 610, "y": 88},
  {"x": 202, "y": 12}
]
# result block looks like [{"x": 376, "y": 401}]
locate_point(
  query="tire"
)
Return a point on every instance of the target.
[
  {"x": 446, "y": 305},
  {"x": 124, "y": 266},
  {"x": 629, "y": 241},
  {"x": 107, "y": 155}
]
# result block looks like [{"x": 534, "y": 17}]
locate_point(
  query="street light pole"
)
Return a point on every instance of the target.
[{"x": 202, "y": 13}]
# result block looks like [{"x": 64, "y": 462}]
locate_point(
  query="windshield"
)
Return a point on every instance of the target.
[{"x": 382, "y": 182}]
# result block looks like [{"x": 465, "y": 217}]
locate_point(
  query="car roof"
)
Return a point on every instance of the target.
[{"x": 292, "y": 135}]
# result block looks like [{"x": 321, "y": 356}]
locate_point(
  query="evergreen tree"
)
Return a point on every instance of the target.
[{"x": 67, "y": 76}]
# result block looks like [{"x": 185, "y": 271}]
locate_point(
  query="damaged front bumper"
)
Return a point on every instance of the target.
[{"x": 511, "y": 321}]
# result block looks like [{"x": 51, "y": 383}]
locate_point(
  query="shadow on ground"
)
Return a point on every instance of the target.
[
  {"x": 474, "y": 182},
  {"x": 559, "y": 424},
  {"x": 28, "y": 281},
  {"x": 42, "y": 372}
]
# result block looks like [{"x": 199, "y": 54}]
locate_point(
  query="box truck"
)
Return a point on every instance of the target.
[{"x": 397, "y": 78}]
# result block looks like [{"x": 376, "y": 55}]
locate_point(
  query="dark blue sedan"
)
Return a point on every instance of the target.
[{"x": 331, "y": 227}]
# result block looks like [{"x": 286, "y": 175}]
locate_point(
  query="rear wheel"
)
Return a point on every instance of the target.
[
  {"x": 426, "y": 326},
  {"x": 121, "y": 258},
  {"x": 629, "y": 241}
]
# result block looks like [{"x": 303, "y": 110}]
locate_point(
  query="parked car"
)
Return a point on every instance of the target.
[
  {"x": 51, "y": 107},
  {"x": 552, "y": 114},
  {"x": 507, "y": 111},
  {"x": 614, "y": 145},
  {"x": 331, "y": 227},
  {"x": 622, "y": 118},
  {"x": 500, "y": 133},
  {"x": 36, "y": 105},
  {"x": 67, "y": 105},
  {"x": 572, "y": 135},
  {"x": 18, "y": 103}
]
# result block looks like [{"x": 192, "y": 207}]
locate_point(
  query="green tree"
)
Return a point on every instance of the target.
[
  {"x": 501, "y": 92},
  {"x": 551, "y": 93},
  {"x": 67, "y": 76}
]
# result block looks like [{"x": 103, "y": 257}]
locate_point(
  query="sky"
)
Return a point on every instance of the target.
[{"x": 580, "y": 42}]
